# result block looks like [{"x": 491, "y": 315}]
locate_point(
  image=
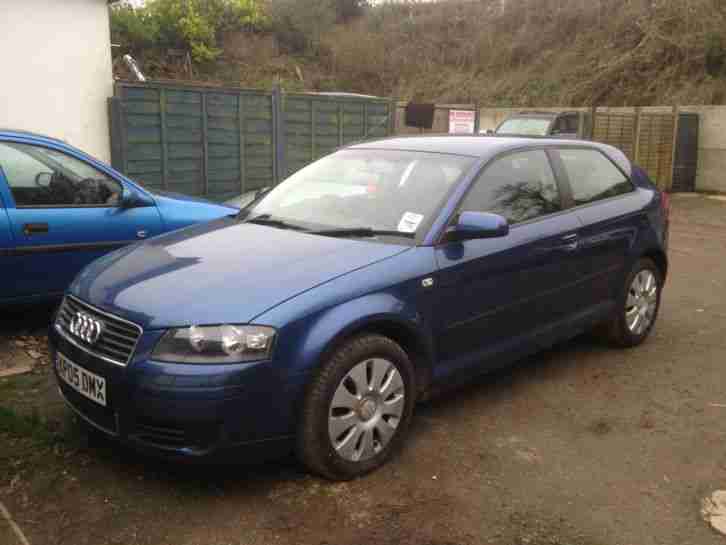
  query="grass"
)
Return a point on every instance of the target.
[
  {"x": 26, "y": 443},
  {"x": 20, "y": 383},
  {"x": 21, "y": 426}
]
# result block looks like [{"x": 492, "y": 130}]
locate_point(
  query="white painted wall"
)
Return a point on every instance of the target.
[{"x": 55, "y": 57}]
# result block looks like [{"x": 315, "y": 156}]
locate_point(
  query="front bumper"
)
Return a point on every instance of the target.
[{"x": 188, "y": 411}]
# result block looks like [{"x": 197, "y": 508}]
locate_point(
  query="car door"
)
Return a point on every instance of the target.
[
  {"x": 6, "y": 239},
  {"x": 611, "y": 211},
  {"x": 504, "y": 295},
  {"x": 63, "y": 212}
]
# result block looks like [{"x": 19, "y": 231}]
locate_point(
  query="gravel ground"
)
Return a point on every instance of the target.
[{"x": 581, "y": 445}]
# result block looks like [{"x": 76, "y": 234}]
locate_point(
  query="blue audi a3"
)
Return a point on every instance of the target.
[{"x": 315, "y": 319}]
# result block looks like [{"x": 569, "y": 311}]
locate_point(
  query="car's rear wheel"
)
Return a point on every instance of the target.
[
  {"x": 357, "y": 408},
  {"x": 638, "y": 305}
]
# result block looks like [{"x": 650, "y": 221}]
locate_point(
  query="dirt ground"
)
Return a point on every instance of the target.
[{"x": 581, "y": 445}]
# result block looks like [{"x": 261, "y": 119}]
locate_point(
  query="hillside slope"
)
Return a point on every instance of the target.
[{"x": 494, "y": 52}]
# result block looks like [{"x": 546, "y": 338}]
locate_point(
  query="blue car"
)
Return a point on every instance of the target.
[
  {"x": 316, "y": 319},
  {"x": 60, "y": 209}
]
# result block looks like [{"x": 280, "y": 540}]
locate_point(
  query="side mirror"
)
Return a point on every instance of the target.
[
  {"x": 43, "y": 179},
  {"x": 129, "y": 199},
  {"x": 476, "y": 225}
]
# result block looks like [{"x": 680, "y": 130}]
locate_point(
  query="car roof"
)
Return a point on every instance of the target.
[
  {"x": 542, "y": 115},
  {"x": 482, "y": 146},
  {"x": 24, "y": 133}
]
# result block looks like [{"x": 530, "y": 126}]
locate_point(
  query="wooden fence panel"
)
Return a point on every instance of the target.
[{"x": 219, "y": 142}]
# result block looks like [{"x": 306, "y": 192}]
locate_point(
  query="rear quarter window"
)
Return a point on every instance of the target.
[{"x": 593, "y": 176}]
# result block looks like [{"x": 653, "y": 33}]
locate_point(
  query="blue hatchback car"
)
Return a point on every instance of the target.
[
  {"x": 317, "y": 318},
  {"x": 60, "y": 209}
]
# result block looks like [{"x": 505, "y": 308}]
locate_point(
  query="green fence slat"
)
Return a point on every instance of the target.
[
  {"x": 184, "y": 122},
  {"x": 184, "y": 136},
  {"x": 142, "y": 121},
  {"x": 186, "y": 151},
  {"x": 188, "y": 97},
  {"x": 150, "y": 108},
  {"x": 222, "y": 150},
  {"x": 143, "y": 167},
  {"x": 242, "y": 141},
  {"x": 184, "y": 165},
  {"x": 142, "y": 152},
  {"x": 205, "y": 145},
  {"x": 136, "y": 93},
  {"x": 141, "y": 135},
  {"x": 164, "y": 140},
  {"x": 184, "y": 109}
]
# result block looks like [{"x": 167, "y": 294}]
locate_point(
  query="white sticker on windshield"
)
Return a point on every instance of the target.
[{"x": 410, "y": 222}]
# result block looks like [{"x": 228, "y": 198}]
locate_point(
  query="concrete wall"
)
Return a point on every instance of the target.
[
  {"x": 56, "y": 62},
  {"x": 711, "y": 174}
]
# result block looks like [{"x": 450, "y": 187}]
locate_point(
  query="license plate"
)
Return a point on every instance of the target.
[{"x": 82, "y": 381}]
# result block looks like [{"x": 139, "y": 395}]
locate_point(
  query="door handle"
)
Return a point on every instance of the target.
[
  {"x": 30, "y": 229},
  {"x": 570, "y": 242}
]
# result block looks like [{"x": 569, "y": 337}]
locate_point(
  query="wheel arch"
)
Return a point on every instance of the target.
[
  {"x": 660, "y": 258},
  {"x": 404, "y": 332}
]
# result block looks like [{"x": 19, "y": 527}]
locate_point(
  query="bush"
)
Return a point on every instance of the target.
[
  {"x": 715, "y": 54},
  {"x": 194, "y": 25},
  {"x": 299, "y": 24},
  {"x": 133, "y": 29}
]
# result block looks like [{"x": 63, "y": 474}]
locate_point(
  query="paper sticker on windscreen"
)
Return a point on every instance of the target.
[{"x": 410, "y": 222}]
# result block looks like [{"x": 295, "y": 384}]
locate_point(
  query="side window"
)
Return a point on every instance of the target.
[
  {"x": 41, "y": 177},
  {"x": 593, "y": 176},
  {"x": 520, "y": 187}
]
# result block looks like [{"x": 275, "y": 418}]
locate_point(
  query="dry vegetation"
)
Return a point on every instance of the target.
[{"x": 502, "y": 52}]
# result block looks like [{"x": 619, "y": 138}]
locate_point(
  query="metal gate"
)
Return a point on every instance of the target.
[
  {"x": 686, "y": 167},
  {"x": 220, "y": 142}
]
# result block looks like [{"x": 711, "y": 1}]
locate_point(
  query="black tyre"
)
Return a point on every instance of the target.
[
  {"x": 357, "y": 408},
  {"x": 637, "y": 307}
]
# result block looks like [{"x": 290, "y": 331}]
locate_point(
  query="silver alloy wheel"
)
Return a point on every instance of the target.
[
  {"x": 366, "y": 409},
  {"x": 642, "y": 302}
]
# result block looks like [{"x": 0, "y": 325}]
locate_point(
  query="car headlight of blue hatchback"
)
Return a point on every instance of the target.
[{"x": 215, "y": 344}]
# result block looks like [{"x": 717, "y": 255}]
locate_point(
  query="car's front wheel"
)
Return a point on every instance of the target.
[
  {"x": 638, "y": 305},
  {"x": 357, "y": 408}
]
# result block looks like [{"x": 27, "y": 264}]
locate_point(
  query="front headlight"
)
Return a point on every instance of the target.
[{"x": 215, "y": 344}]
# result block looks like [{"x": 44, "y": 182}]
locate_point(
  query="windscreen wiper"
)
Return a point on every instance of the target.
[
  {"x": 362, "y": 232},
  {"x": 267, "y": 219}
]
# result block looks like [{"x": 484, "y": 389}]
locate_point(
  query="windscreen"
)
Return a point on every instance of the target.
[
  {"x": 525, "y": 126},
  {"x": 377, "y": 189}
]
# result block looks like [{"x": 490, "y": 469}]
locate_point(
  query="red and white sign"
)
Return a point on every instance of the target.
[{"x": 462, "y": 121}]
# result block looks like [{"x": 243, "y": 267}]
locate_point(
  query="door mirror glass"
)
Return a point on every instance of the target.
[
  {"x": 475, "y": 225},
  {"x": 42, "y": 179}
]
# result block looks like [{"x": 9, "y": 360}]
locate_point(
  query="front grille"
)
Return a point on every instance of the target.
[
  {"x": 172, "y": 435},
  {"x": 118, "y": 338},
  {"x": 166, "y": 435}
]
